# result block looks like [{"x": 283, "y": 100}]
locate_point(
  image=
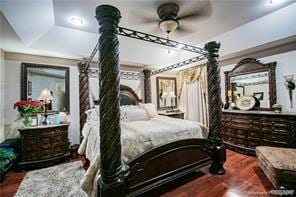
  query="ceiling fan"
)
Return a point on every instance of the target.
[{"x": 170, "y": 20}]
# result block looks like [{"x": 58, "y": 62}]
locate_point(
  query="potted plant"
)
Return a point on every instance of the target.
[{"x": 26, "y": 108}]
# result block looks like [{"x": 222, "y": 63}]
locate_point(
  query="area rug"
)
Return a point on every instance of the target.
[{"x": 61, "y": 180}]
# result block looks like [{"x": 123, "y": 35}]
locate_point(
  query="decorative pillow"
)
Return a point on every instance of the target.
[
  {"x": 92, "y": 115},
  {"x": 150, "y": 109},
  {"x": 136, "y": 114},
  {"x": 124, "y": 108}
]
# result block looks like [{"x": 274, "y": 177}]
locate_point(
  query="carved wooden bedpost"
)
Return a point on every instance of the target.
[
  {"x": 215, "y": 108},
  {"x": 111, "y": 182},
  {"x": 83, "y": 92},
  {"x": 147, "y": 85}
]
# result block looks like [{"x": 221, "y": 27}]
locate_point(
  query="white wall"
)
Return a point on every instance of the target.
[
  {"x": 285, "y": 66},
  {"x": 12, "y": 94},
  {"x": 2, "y": 120}
]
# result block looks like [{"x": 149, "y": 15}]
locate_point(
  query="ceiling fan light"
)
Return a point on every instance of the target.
[{"x": 168, "y": 25}]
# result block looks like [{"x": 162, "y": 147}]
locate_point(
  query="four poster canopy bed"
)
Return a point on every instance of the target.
[{"x": 157, "y": 165}]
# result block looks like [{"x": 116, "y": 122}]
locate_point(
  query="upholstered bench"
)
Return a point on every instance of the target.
[{"x": 279, "y": 165}]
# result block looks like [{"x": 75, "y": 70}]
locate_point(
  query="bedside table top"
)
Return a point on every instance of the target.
[
  {"x": 170, "y": 113},
  {"x": 44, "y": 126}
]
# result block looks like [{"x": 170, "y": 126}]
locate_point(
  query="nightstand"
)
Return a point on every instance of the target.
[
  {"x": 179, "y": 114},
  {"x": 43, "y": 145}
]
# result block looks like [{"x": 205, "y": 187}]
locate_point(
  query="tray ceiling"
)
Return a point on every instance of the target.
[{"x": 43, "y": 27}]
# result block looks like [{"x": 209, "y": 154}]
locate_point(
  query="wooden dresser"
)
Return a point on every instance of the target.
[
  {"x": 244, "y": 130},
  {"x": 43, "y": 145}
]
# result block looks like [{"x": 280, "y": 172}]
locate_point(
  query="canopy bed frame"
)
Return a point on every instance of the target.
[{"x": 161, "y": 164}]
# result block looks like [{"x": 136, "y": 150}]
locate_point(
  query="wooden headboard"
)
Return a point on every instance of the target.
[{"x": 127, "y": 96}]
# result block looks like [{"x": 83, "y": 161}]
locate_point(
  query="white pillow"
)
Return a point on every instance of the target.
[
  {"x": 124, "y": 108},
  {"x": 136, "y": 114},
  {"x": 97, "y": 108},
  {"x": 92, "y": 115},
  {"x": 150, "y": 109}
]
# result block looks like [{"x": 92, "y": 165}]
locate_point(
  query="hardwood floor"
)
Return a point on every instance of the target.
[{"x": 243, "y": 178}]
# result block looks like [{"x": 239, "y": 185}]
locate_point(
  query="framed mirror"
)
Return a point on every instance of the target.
[
  {"x": 252, "y": 78},
  {"x": 166, "y": 88},
  {"x": 35, "y": 78}
]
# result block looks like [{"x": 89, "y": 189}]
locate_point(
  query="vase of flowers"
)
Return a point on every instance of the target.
[{"x": 26, "y": 108}]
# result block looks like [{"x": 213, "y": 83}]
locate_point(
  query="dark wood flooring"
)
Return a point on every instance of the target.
[{"x": 243, "y": 178}]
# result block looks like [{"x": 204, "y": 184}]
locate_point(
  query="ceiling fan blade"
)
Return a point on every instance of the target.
[
  {"x": 183, "y": 29},
  {"x": 140, "y": 18},
  {"x": 203, "y": 11}
]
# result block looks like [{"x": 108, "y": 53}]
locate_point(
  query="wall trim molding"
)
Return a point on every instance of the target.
[
  {"x": 39, "y": 59},
  {"x": 265, "y": 50},
  {"x": 12, "y": 56}
]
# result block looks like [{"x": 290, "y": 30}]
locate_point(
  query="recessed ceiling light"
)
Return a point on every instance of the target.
[
  {"x": 275, "y": 2},
  {"x": 77, "y": 21}
]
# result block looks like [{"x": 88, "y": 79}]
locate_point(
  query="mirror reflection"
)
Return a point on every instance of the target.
[
  {"x": 166, "y": 92},
  {"x": 52, "y": 81},
  {"x": 254, "y": 84}
]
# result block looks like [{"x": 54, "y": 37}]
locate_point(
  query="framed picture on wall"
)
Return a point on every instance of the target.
[
  {"x": 34, "y": 122},
  {"x": 258, "y": 95}
]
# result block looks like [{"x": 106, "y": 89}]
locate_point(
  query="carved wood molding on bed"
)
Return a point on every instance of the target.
[
  {"x": 147, "y": 85},
  {"x": 128, "y": 96},
  {"x": 83, "y": 68}
]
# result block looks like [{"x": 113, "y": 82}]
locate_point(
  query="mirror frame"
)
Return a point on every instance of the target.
[
  {"x": 249, "y": 66},
  {"x": 157, "y": 90},
  {"x": 24, "y": 80}
]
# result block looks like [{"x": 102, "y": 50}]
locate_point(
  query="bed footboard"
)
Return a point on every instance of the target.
[{"x": 166, "y": 163}]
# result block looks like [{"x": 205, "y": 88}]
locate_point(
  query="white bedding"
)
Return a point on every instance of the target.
[{"x": 136, "y": 137}]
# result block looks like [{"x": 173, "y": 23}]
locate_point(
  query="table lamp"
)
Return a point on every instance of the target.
[{"x": 46, "y": 97}]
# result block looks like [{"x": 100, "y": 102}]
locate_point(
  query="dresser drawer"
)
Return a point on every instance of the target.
[
  {"x": 230, "y": 139},
  {"x": 58, "y": 138},
  {"x": 253, "y": 134},
  {"x": 45, "y": 153},
  {"x": 30, "y": 143},
  {"x": 275, "y": 143},
  {"x": 45, "y": 143},
  {"x": 253, "y": 143},
  {"x": 59, "y": 150},
  {"x": 241, "y": 133},
  {"x": 276, "y": 137},
  {"x": 31, "y": 156},
  {"x": 242, "y": 142}
]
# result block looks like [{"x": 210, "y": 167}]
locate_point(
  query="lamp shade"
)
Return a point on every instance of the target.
[
  {"x": 45, "y": 95},
  {"x": 172, "y": 94},
  {"x": 164, "y": 95}
]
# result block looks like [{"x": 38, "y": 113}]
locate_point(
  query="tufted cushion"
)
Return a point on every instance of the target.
[{"x": 278, "y": 164}]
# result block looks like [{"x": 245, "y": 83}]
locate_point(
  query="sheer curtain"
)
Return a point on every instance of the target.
[{"x": 193, "y": 94}]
